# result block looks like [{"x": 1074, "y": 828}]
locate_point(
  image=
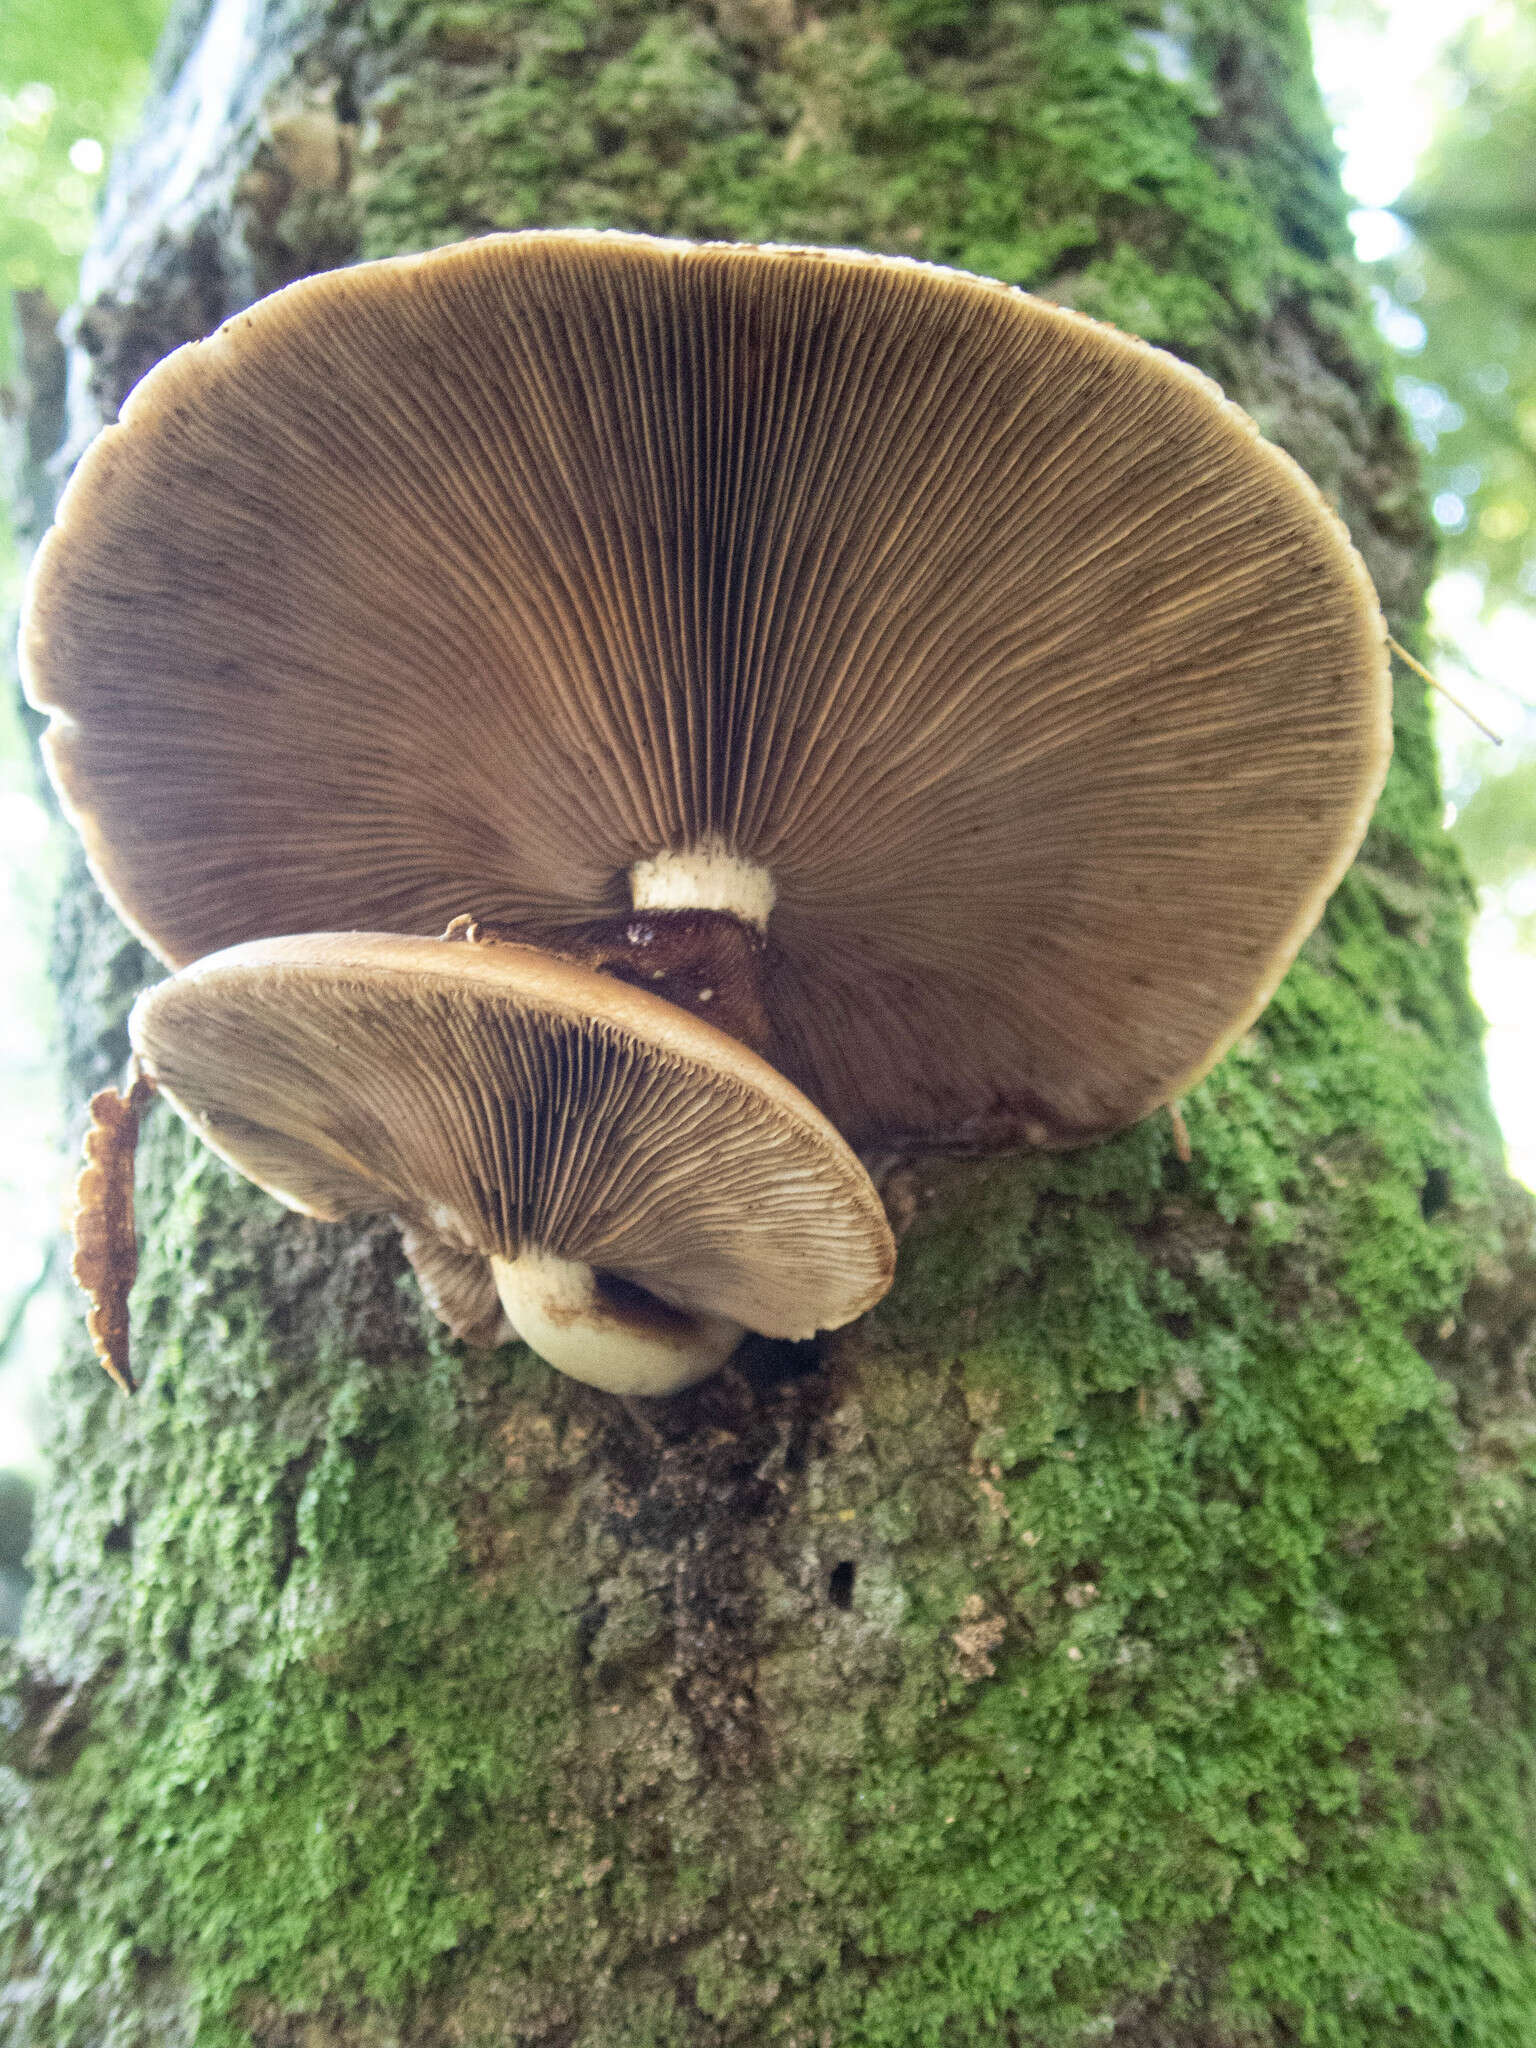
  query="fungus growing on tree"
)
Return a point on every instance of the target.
[
  {"x": 630, "y": 1188},
  {"x": 106, "y": 1254},
  {"x": 1014, "y": 703}
]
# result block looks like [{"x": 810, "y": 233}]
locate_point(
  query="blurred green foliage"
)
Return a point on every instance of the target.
[
  {"x": 1469, "y": 275},
  {"x": 1496, "y": 830},
  {"x": 16, "y": 1498},
  {"x": 72, "y": 72},
  {"x": 1461, "y": 300}
]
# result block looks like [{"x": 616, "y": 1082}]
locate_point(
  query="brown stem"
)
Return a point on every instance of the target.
[{"x": 704, "y": 961}]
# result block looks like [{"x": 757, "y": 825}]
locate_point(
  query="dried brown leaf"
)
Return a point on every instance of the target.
[{"x": 106, "y": 1247}]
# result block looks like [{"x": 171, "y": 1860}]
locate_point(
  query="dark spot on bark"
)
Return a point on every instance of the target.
[
  {"x": 286, "y": 1496},
  {"x": 1176, "y": 1174},
  {"x": 53, "y": 1723},
  {"x": 1435, "y": 1193},
  {"x": 591, "y": 1619},
  {"x": 840, "y": 1585},
  {"x": 769, "y": 1362}
]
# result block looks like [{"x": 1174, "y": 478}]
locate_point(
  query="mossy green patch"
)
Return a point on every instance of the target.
[
  {"x": 1171, "y": 1615},
  {"x": 258, "y": 1814},
  {"x": 1082, "y": 145}
]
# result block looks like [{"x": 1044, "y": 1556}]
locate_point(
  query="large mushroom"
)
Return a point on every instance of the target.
[
  {"x": 628, "y": 1188},
  {"x": 1016, "y": 704}
]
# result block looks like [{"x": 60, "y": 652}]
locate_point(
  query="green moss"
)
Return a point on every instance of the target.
[
  {"x": 1173, "y": 1617},
  {"x": 1028, "y": 142}
]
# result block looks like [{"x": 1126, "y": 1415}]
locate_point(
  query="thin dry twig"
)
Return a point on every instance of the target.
[
  {"x": 1450, "y": 696},
  {"x": 1183, "y": 1151}
]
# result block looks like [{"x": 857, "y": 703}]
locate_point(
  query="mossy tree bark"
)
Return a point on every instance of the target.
[{"x": 1125, "y": 1633}]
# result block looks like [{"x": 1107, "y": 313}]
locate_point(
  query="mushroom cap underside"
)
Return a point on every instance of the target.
[
  {"x": 1051, "y": 698},
  {"x": 497, "y": 1100}
]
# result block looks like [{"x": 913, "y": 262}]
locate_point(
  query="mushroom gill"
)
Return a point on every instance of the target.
[
  {"x": 982, "y": 663},
  {"x": 637, "y": 1188}
]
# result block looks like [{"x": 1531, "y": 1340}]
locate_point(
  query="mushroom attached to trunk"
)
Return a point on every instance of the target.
[
  {"x": 1015, "y": 699},
  {"x": 629, "y": 1186}
]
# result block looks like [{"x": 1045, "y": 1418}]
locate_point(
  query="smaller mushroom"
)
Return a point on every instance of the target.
[{"x": 627, "y": 1186}]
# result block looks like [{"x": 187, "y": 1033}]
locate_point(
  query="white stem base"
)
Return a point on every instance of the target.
[
  {"x": 559, "y": 1309},
  {"x": 707, "y": 877}
]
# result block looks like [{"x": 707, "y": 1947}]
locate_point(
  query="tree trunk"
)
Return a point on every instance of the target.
[{"x": 1125, "y": 1633}]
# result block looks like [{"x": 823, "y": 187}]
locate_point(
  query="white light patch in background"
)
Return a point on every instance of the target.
[
  {"x": 1504, "y": 980},
  {"x": 1378, "y": 233},
  {"x": 1378, "y": 77}
]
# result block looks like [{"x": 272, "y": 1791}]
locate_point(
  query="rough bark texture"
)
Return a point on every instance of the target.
[{"x": 1126, "y": 1633}]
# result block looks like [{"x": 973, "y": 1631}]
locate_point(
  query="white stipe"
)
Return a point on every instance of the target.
[
  {"x": 557, "y": 1308},
  {"x": 705, "y": 877}
]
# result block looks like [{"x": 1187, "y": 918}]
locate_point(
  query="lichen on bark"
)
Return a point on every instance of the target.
[{"x": 1124, "y": 1633}]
